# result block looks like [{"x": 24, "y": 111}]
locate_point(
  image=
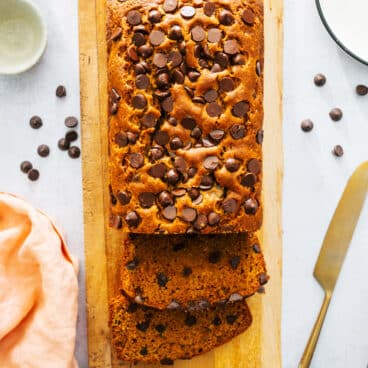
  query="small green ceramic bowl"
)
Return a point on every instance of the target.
[{"x": 23, "y": 36}]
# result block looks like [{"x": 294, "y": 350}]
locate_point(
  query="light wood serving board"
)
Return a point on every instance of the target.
[{"x": 259, "y": 346}]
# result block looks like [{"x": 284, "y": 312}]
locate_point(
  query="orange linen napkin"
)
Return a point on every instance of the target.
[{"x": 38, "y": 290}]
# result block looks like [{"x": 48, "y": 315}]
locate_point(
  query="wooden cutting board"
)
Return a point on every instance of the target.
[{"x": 260, "y": 346}]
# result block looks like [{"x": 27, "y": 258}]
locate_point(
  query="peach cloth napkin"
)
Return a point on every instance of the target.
[{"x": 38, "y": 290}]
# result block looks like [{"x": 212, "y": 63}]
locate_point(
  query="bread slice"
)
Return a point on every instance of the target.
[
  {"x": 143, "y": 334},
  {"x": 191, "y": 271}
]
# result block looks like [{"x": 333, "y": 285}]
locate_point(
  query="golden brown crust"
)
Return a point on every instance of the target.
[
  {"x": 232, "y": 197},
  {"x": 192, "y": 272},
  {"x": 142, "y": 334}
]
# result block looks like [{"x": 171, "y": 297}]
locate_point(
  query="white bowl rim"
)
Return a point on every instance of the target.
[{"x": 32, "y": 61}]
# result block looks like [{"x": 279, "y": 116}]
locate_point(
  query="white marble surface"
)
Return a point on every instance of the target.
[{"x": 314, "y": 179}]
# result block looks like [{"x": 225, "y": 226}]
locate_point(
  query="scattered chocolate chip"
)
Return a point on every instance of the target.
[
  {"x": 206, "y": 182},
  {"x": 198, "y": 200},
  {"x": 209, "y": 8},
  {"x": 160, "y": 328},
  {"x": 134, "y": 18},
  {"x": 226, "y": 84},
  {"x": 226, "y": 18},
  {"x": 187, "y": 271},
  {"x": 256, "y": 248},
  {"x": 222, "y": 60},
  {"x": 74, "y": 152},
  {"x": 124, "y": 198},
  {"x": 61, "y": 90},
  {"x": 193, "y": 75},
  {"x": 132, "y": 219},
  {"x": 175, "y": 58},
  {"x": 179, "y": 192},
  {"x": 146, "y": 199},
  {"x": 121, "y": 139},
  {"x": 132, "y": 308},
  {"x": 216, "y": 68},
  {"x": 196, "y": 133},
  {"x": 230, "y": 319},
  {"x": 162, "y": 95},
  {"x": 175, "y": 33},
  {"x": 162, "y": 279},
  {"x": 157, "y": 38},
  {"x": 33, "y": 174},
  {"x": 198, "y": 34},
  {"x": 139, "y": 101},
  {"x": 263, "y": 278},
  {"x": 248, "y": 17},
  {"x": 240, "y": 109},
  {"x": 154, "y": 16},
  {"x": 26, "y": 166},
  {"x": 143, "y": 326},
  {"x": 338, "y": 151},
  {"x": 158, "y": 171},
  {"x": 167, "y": 361},
  {"x": 71, "y": 136},
  {"x": 254, "y": 166},
  {"x": 229, "y": 205},
  {"x": 235, "y": 297},
  {"x": 156, "y": 152},
  {"x": 361, "y": 90},
  {"x": 115, "y": 222},
  {"x": 170, "y": 5},
  {"x": 214, "y": 35},
  {"x": 232, "y": 164},
  {"x": 248, "y": 180},
  {"x": 217, "y": 135},
  {"x": 201, "y": 222},
  {"x": 165, "y": 199},
  {"x": 132, "y": 265},
  {"x": 169, "y": 213},
  {"x": 143, "y": 351},
  {"x": 193, "y": 193},
  {"x": 142, "y": 81},
  {"x": 190, "y": 320},
  {"x": 161, "y": 137},
  {"x": 149, "y": 120},
  {"x": 189, "y": 91},
  {"x": 35, "y": 122},
  {"x": 114, "y": 107},
  {"x": 136, "y": 160},
  {"x": 237, "y": 131},
  {"x": 176, "y": 143},
  {"x": 258, "y": 68},
  {"x": 172, "y": 121},
  {"x": 132, "y": 53},
  {"x": 160, "y": 60},
  {"x": 132, "y": 137},
  {"x": 214, "y": 109},
  {"x": 234, "y": 262},
  {"x": 178, "y": 76},
  {"x": 336, "y": 114},
  {"x": 168, "y": 104},
  {"x": 211, "y": 163},
  {"x": 211, "y": 95},
  {"x": 43, "y": 150},
  {"x": 188, "y": 123},
  {"x": 163, "y": 81},
  {"x": 307, "y": 125},
  {"x": 189, "y": 214},
  {"x": 251, "y": 206},
  {"x": 259, "y": 136},
  {"x": 217, "y": 321},
  {"x": 319, "y": 80},
  {"x": 192, "y": 172},
  {"x": 213, "y": 218},
  {"x": 187, "y": 12},
  {"x": 145, "y": 51},
  {"x": 71, "y": 122},
  {"x": 215, "y": 257},
  {"x": 138, "y": 39},
  {"x": 199, "y": 99}
]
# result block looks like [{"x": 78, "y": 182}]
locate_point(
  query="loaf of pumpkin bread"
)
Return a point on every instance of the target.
[{"x": 185, "y": 115}]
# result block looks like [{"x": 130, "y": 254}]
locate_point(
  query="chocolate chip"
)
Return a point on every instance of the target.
[
  {"x": 307, "y": 125},
  {"x": 189, "y": 214},
  {"x": 178, "y": 76},
  {"x": 214, "y": 35},
  {"x": 33, "y": 174},
  {"x": 132, "y": 219},
  {"x": 193, "y": 75},
  {"x": 169, "y": 213},
  {"x": 35, "y": 122},
  {"x": 251, "y": 206},
  {"x": 361, "y": 90},
  {"x": 154, "y": 16},
  {"x": 146, "y": 199},
  {"x": 192, "y": 172},
  {"x": 168, "y": 104},
  {"x": 234, "y": 262},
  {"x": 124, "y": 198},
  {"x": 211, "y": 163},
  {"x": 211, "y": 95},
  {"x": 206, "y": 182},
  {"x": 158, "y": 171},
  {"x": 143, "y": 326},
  {"x": 187, "y": 271},
  {"x": 199, "y": 99},
  {"x": 240, "y": 109},
  {"x": 187, "y": 12},
  {"x": 198, "y": 34},
  {"x": 248, "y": 17},
  {"x": 139, "y": 102},
  {"x": 71, "y": 136},
  {"x": 176, "y": 143},
  {"x": 132, "y": 308},
  {"x": 229, "y": 205},
  {"x": 237, "y": 131},
  {"x": 248, "y": 180},
  {"x": 216, "y": 68},
  {"x": 161, "y": 137},
  {"x": 145, "y": 51},
  {"x": 231, "y": 318},
  {"x": 259, "y": 137},
  {"x": 115, "y": 222},
  {"x": 121, "y": 139},
  {"x": 188, "y": 123},
  {"x": 162, "y": 95},
  {"x": 189, "y": 91},
  {"x": 196, "y": 133},
  {"x": 226, "y": 84},
  {"x": 217, "y": 135},
  {"x": 238, "y": 60},
  {"x": 232, "y": 164},
  {"x": 170, "y": 5},
  {"x": 132, "y": 265},
  {"x": 172, "y": 176},
  {"x": 258, "y": 68},
  {"x": 338, "y": 151},
  {"x": 162, "y": 279},
  {"x": 213, "y": 218},
  {"x": 157, "y": 38},
  {"x": 175, "y": 33},
  {"x": 26, "y": 166},
  {"x": 134, "y": 18},
  {"x": 132, "y": 137},
  {"x": 136, "y": 160},
  {"x": 263, "y": 278},
  {"x": 71, "y": 122},
  {"x": 193, "y": 193},
  {"x": 214, "y": 109},
  {"x": 160, "y": 328},
  {"x": 336, "y": 114},
  {"x": 222, "y": 60},
  {"x": 132, "y": 53},
  {"x": 179, "y": 192},
  {"x": 165, "y": 199},
  {"x": 160, "y": 60},
  {"x": 217, "y": 321},
  {"x": 143, "y": 351},
  {"x": 149, "y": 120},
  {"x": 172, "y": 121},
  {"x": 226, "y": 18},
  {"x": 142, "y": 81},
  {"x": 138, "y": 39},
  {"x": 61, "y": 90},
  {"x": 319, "y": 80},
  {"x": 209, "y": 8},
  {"x": 256, "y": 248},
  {"x": 254, "y": 166},
  {"x": 201, "y": 222},
  {"x": 43, "y": 150},
  {"x": 74, "y": 152},
  {"x": 156, "y": 153},
  {"x": 215, "y": 257},
  {"x": 163, "y": 80},
  {"x": 180, "y": 164},
  {"x": 190, "y": 320},
  {"x": 167, "y": 361}
]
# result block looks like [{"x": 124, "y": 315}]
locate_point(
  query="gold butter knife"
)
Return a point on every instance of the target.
[{"x": 335, "y": 246}]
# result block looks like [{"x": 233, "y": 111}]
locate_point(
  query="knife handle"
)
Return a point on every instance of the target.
[{"x": 313, "y": 339}]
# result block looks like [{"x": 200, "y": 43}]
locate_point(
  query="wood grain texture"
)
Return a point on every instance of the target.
[{"x": 260, "y": 346}]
